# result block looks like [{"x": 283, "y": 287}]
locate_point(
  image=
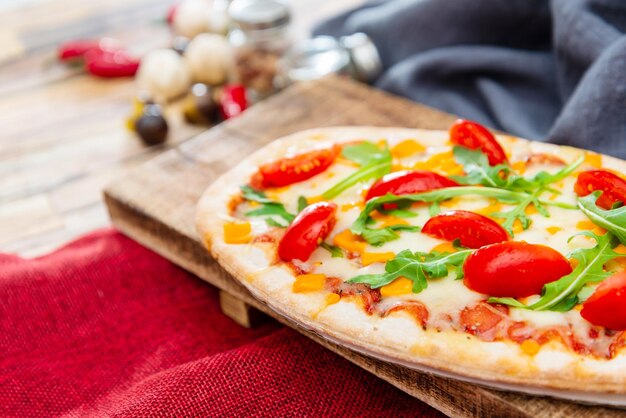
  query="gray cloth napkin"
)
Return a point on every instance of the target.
[{"x": 545, "y": 70}]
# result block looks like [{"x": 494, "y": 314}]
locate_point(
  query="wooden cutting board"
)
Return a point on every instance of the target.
[{"x": 155, "y": 205}]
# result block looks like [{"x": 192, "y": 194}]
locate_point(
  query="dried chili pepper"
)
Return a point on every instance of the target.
[{"x": 233, "y": 100}]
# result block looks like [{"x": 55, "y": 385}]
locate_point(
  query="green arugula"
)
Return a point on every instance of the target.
[
  {"x": 477, "y": 169},
  {"x": 417, "y": 267},
  {"x": 378, "y": 237},
  {"x": 613, "y": 220},
  {"x": 268, "y": 208},
  {"x": 302, "y": 203},
  {"x": 335, "y": 252},
  {"x": 375, "y": 163},
  {"x": 563, "y": 294},
  {"x": 360, "y": 225}
]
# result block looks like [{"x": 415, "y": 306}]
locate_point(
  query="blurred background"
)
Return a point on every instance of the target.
[{"x": 67, "y": 132}]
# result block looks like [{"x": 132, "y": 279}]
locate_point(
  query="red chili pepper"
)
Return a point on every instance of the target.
[
  {"x": 73, "y": 50},
  {"x": 110, "y": 64},
  {"x": 233, "y": 100},
  {"x": 171, "y": 13}
]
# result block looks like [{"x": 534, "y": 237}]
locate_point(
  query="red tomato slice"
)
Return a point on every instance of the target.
[
  {"x": 408, "y": 182},
  {"x": 294, "y": 169},
  {"x": 307, "y": 231},
  {"x": 474, "y": 136},
  {"x": 607, "y": 306},
  {"x": 613, "y": 187},
  {"x": 472, "y": 229},
  {"x": 513, "y": 269}
]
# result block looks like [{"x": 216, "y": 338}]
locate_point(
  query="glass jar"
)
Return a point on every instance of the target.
[{"x": 259, "y": 36}]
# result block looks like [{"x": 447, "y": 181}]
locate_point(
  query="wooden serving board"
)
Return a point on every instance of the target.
[{"x": 155, "y": 205}]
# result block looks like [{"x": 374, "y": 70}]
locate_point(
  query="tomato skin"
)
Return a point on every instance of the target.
[
  {"x": 294, "y": 169},
  {"x": 606, "y": 307},
  {"x": 612, "y": 186},
  {"x": 472, "y": 229},
  {"x": 513, "y": 269},
  {"x": 307, "y": 231},
  {"x": 408, "y": 182},
  {"x": 474, "y": 136}
]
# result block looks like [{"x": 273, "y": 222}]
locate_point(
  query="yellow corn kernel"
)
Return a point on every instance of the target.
[
  {"x": 444, "y": 247},
  {"x": 593, "y": 159},
  {"x": 553, "y": 229},
  {"x": 406, "y": 148},
  {"x": 349, "y": 242},
  {"x": 371, "y": 258},
  {"x": 530, "y": 347},
  {"x": 332, "y": 298},
  {"x": 309, "y": 283},
  {"x": 517, "y": 227},
  {"x": 400, "y": 286},
  {"x": 237, "y": 232}
]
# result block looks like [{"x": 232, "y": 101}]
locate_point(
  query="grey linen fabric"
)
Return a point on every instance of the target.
[{"x": 545, "y": 70}]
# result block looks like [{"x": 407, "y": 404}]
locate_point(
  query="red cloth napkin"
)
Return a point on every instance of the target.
[{"x": 105, "y": 327}]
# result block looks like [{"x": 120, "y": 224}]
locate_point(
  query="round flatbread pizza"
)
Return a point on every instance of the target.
[{"x": 488, "y": 258}]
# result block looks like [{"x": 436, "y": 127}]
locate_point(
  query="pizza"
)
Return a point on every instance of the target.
[{"x": 484, "y": 257}]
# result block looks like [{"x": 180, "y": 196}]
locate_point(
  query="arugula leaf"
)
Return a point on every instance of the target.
[
  {"x": 542, "y": 179},
  {"x": 375, "y": 163},
  {"x": 302, "y": 203},
  {"x": 268, "y": 208},
  {"x": 562, "y": 295},
  {"x": 613, "y": 220},
  {"x": 477, "y": 168},
  {"x": 417, "y": 267},
  {"x": 253, "y": 195},
  {"x": 335, "y": 252},
  {"x": 399, "y": 213},
  {"x": 378, "y": 237}
]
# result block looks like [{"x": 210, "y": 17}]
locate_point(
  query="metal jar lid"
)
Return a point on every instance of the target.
[
  {"x": 259, "y": 14},
  {"x": 314, "y": 58},
  {"x": 366, "y": 63}
]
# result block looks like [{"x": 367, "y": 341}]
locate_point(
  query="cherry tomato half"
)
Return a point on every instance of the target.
[
  {"x": 294, "y": 169},
  {"x": 474, "y": 136},
  {"x": 408, "y": 182},
  {"x": 307, "y": 231},
  {"x": 472, "y": 229},
  {"x": 607, "y": 305},
  {"x": 513, "y": 269},
  {"x": 613, "y": 187}
]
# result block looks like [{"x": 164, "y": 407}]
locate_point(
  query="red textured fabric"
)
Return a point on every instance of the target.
[{"x": 105, "y": 327}]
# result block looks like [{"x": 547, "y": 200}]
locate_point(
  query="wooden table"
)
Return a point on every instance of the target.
[{"x": 62, "y": 136}]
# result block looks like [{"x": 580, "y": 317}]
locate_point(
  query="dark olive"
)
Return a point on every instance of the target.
[
  {"x": 200, "y": 107},
  {"x": 151, "y": 126}
]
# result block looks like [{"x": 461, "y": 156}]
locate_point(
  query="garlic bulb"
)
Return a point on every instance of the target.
[
  {"x": 192, "y": 17},
  {"x": 164, "y": 75},
  {"x": 209, "y": 58}
]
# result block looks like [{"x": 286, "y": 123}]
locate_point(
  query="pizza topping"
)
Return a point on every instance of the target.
[
  {"x": 563, "y": 294},
  {"x": 613, "y": 220},
  {"x": 482, "y": 317},
  {"x": 237, "y": 232},
  {"x": 400, "y": 286},
  {"x": 607, "y": 305},
  {"x": 471, "y": 135},
  {"x": 513, "y": 269},
  {"x": 371, "y": 258},
  {"x": 349, "y": 242},
  {"x": 374, "y": 161},
  {"x": 307, "y": 231},
  {"x": 471, "y": 229},
  {"x": 309, "y": 283},
  {"x": 613, "y": 187},
  {"x": 275, "y": 212},
  {"x": 294, "y": 169},
  {"x": 408, "y": 182},
  {"x": 407, "y": 148},
  {"x": 417, "y": 267},
  {"x": 416, "y": 309}
]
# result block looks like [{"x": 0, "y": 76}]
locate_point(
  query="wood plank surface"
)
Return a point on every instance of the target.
[{"x": 155, "y": 204}]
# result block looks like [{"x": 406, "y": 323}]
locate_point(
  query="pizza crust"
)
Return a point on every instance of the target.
[{"x": 397, "y": 337}]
